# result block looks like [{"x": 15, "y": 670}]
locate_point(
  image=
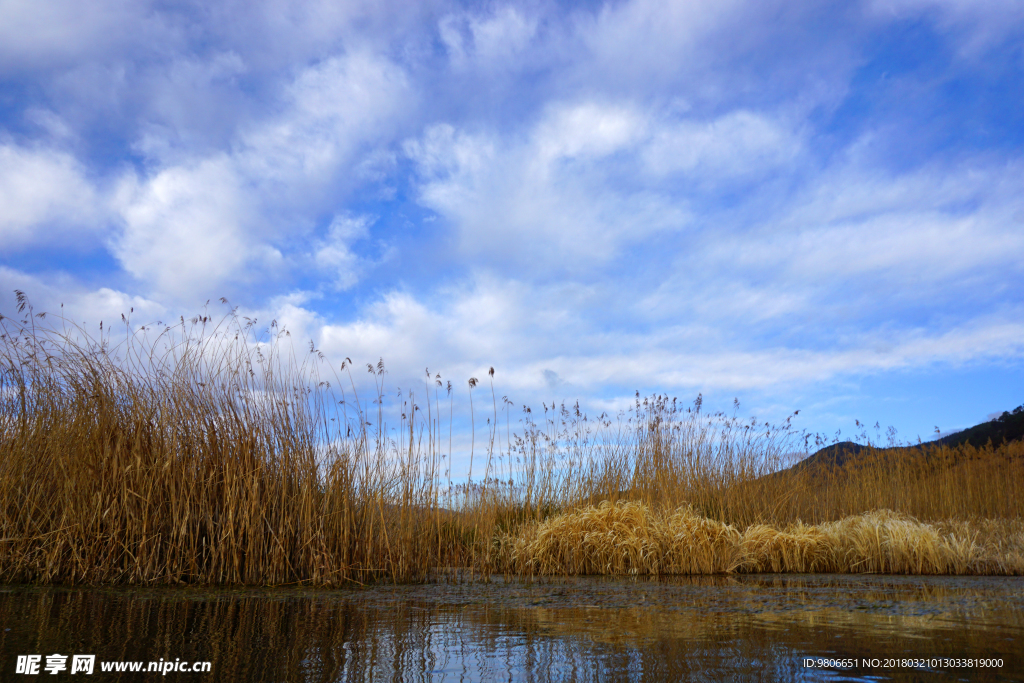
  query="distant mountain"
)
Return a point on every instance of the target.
[{"x": 1007, "y": 427}]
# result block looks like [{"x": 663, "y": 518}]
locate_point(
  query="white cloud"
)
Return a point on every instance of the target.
[
  {"x": 778, "y": 367},
  {"x": 978, "y": 24},
  {"x": 563, "y": 352},
  {"x": 644, "y": 45},
  {"x": 331, "y": 112},
  {"x": 44, "y": 193},
  {"x": 51, "y": 123},
  {"x": 532, "y": 203},
  {"x": 189, "y": 105},
  {"x": 184, "y": 229},
  {"x": 738, "y": 144},
  {"x": 500, "y": 38},
  {"x": 856, "y": 249},
  {"x": 63, "y": 32},
  {"x": 588, "y": 130},
  {"x": 82, "y": 305},
  {"x": 335, "y": 254},
  {"x": 443, "y": 152},
  {"x": 197, "y": 224},
  {"x": 487, "y": 41},
  {"x": 925, "y": 228},
  {"x": 588, "y": 180},
  {"x": 462, "y": 330},
  {"x": 283, "y": 33}
]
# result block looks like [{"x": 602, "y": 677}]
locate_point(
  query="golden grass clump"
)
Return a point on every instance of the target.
[
  {"x": 877, "y": 542},
  {"x": 884, "y": 542},
  {"x": 626, "y": 538},
  {"x": 797, "y": 548},
  {"x": 630, "y": 538}
]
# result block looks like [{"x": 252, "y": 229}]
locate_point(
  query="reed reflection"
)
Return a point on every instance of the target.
[{"x": 702, "y": 629}]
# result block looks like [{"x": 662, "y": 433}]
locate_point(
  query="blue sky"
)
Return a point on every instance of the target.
[{"x": 804, "y": 205}]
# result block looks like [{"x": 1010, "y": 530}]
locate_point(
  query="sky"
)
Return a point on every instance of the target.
[{"x": 811, "y": 206}]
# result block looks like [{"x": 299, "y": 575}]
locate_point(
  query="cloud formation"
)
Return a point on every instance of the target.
[
  {"x": 766, "y": 198},
  {"x": 43, "y": 192}
]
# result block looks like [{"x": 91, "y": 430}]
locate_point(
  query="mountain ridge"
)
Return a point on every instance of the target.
[{"x": 1006, "y": 428}]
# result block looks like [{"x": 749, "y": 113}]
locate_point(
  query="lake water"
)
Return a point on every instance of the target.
[{"x": 761, "y": 627}]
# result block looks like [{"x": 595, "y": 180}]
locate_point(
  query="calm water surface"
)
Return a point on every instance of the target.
[{"x": 760, "y": 627}]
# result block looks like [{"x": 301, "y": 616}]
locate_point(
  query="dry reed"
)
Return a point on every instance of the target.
[
  {"x": 200, "y": 453},
  {"x": 630, "y": 538},
  {"x": 626, "y": 538}
]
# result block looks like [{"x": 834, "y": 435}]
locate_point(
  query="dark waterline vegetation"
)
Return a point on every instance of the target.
[{"x": 200, "y": 454}]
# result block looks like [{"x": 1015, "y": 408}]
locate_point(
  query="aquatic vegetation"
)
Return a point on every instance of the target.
[{"x": 205, "y": 453}]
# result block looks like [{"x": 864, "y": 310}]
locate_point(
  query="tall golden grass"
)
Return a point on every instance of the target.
[{"x": 201, "y": 453}]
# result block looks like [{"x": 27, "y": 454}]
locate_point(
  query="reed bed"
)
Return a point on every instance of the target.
[
  {"x": 195, "y": 457},
  {"x": 205, "y": 453}
]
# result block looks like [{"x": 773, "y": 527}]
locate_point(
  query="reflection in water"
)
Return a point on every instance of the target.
[{"x": 704, "y": 629}]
